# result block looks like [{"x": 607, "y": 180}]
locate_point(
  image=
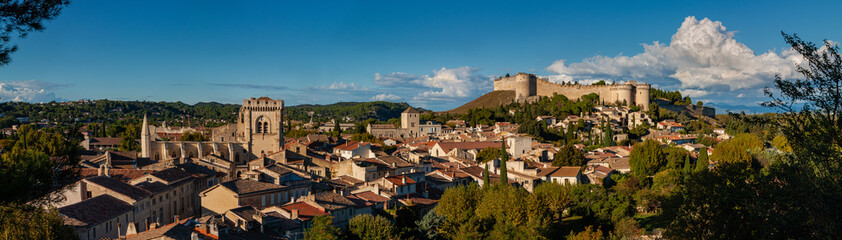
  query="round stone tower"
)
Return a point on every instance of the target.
[
  {"x": 621, "y": 93},
  {"x": 641, "y": 96},
  {"x": 525, "y": 86}
]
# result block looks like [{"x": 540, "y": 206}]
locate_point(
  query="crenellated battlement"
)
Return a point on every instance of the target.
[{"x": 527, "y": 85}]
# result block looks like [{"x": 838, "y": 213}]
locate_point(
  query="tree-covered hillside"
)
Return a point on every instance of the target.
[
  {"x": 357, "y": 111},
  {"x": 207, "y": 114}
]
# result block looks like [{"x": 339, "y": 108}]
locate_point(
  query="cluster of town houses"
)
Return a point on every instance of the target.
[{"x": 206, "y": 190}]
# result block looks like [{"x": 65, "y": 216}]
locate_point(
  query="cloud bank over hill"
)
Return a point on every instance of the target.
[
  {"x": 29, "y": 91},
  {"x": 446, "y": 86},
  {"x": 702, "y": 60}
]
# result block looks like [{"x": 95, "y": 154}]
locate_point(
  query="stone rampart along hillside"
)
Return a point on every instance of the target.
[
  {"x": 527, "y": 86},
  {"x": 491, "y": 99}
]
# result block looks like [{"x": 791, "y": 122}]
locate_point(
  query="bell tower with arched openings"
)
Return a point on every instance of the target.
[{"x": 260, "y": 124}]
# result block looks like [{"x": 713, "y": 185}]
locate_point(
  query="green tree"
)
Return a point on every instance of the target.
[
  {"x": 504, "y": 157},
  {"x": 736, "y": 149},
  {"x": 21, "y": 221},
  {"x": 27, "y": 168},
  {"x": 809, "y": 110},
  {"x": 457, "y": 205},
  {"x": 608, "y": 139},
  {"x": 486, "y": 176},
  {"x": 534, "y": 128},
  {"x": 714, "y": 204},
  {"x": 128, "y": 139},
  {"x": 556, "y": 197},
  {"x": 675, "y": 156},
  {"x": 18, "y": 18},
  {"x": 688, "y": 168},
  {"x": 429, "y": 225},
  {"x": 782, "y": 144},
  {"x": 488, "y": 154},
  {"x": 702, "y": 161},
  {"x": 646, "y": 159},
  {"x": 569, "y": 155},
  {"x": 336, "y": 127},
  {"x": 370, "y": 227},
  {"x": 322, "y": 229},
  {"x": 364, "y": 137},
  {"x": 654, "y": 112},
  {"x": 639, "y": 131},
  {"x": 588, "y": 234},
  {"x": 193, "y": 136}
]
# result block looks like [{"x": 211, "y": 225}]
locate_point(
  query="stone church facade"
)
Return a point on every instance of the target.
[{"x": 257, "y": 134}]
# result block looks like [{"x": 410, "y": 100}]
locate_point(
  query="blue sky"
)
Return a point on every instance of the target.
[{"x": 432, "y": 54}]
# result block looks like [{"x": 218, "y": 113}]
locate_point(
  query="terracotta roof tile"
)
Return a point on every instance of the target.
[
  {"x": 247, "y": 186},
  {"x": 125, "y": 189},
  {"x": 95, "y": 210}
]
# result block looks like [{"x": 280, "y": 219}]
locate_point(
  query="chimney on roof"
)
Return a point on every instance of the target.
[
  {"x": 131, "y": 229},
  {"x": 403, "y": 179},
  {"x": 294, "y": 214},
  {"x": 176, "y": 218},
  {"x": 194, "y": 236}
]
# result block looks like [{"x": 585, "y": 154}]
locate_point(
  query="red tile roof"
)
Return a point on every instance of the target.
[
  {"x": 306, "y": 211},
  {"x": 398, "y": 180},
  {"x": 447, "y": 146},
  {"x": 559, "y": 171},
  {"x": 121, "y": 174}
]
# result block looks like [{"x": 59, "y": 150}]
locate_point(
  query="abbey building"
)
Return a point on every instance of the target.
[{"x": 258, "y": 133}]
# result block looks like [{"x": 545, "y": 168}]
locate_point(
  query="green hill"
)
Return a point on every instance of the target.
[
  {"x": 358, "y": 110},
  {"x": 175, "y": 113},
  {"x": 491, "y": 99}
]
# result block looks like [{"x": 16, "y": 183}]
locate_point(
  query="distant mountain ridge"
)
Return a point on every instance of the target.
[
  {"x": 359, "y": 111},
  {"x": 176, "y": 113}
]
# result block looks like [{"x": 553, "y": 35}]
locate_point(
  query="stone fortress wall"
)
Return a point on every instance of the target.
[{"x": 528, "y": 85}]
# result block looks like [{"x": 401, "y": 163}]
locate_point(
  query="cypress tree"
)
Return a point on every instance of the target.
[
  {"x": 336, "y": 127},
  {"x": 609, "y": 135},
  {"x": 486, "y": 179},
  {"x": 702, "y": 161},
  {"x": 687, "y": 167},
  {"x": 504, "y": 157}
]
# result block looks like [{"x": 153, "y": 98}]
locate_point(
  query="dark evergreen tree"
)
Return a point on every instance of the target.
[{"x": 504, "y": 157}]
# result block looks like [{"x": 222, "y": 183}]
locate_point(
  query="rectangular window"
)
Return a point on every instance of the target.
[
  {"x": 263, "y": 200},
  {"x": 272, "y": 199}
]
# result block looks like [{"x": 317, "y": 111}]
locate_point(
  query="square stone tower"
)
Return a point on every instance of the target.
[
  {"x": 410, "y": 121},
  {"x": 260, "y": 124}
]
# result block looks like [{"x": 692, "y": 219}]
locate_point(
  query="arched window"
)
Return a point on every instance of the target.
[{"x": 261, "y": 125}]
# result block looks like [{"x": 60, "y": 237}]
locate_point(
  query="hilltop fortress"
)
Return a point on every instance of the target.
[{"x": 528, "y": 85}]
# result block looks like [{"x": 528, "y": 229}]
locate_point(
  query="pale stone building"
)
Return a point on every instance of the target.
[
  {"x": 410, "y": 126},
  {"x": 257, "y": 133},
  {"x": 527, "y": 85}
]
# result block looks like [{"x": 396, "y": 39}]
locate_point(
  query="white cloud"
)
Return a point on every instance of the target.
[
  {"x": 343, "y": 86},
  {"x": 702, "y": 57},
  {"x": 28, "y": 91},
  {"x": 385, "y": 97},
  {"x": 443, "y": 85},
  {"x": 693, "y": 92}
]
